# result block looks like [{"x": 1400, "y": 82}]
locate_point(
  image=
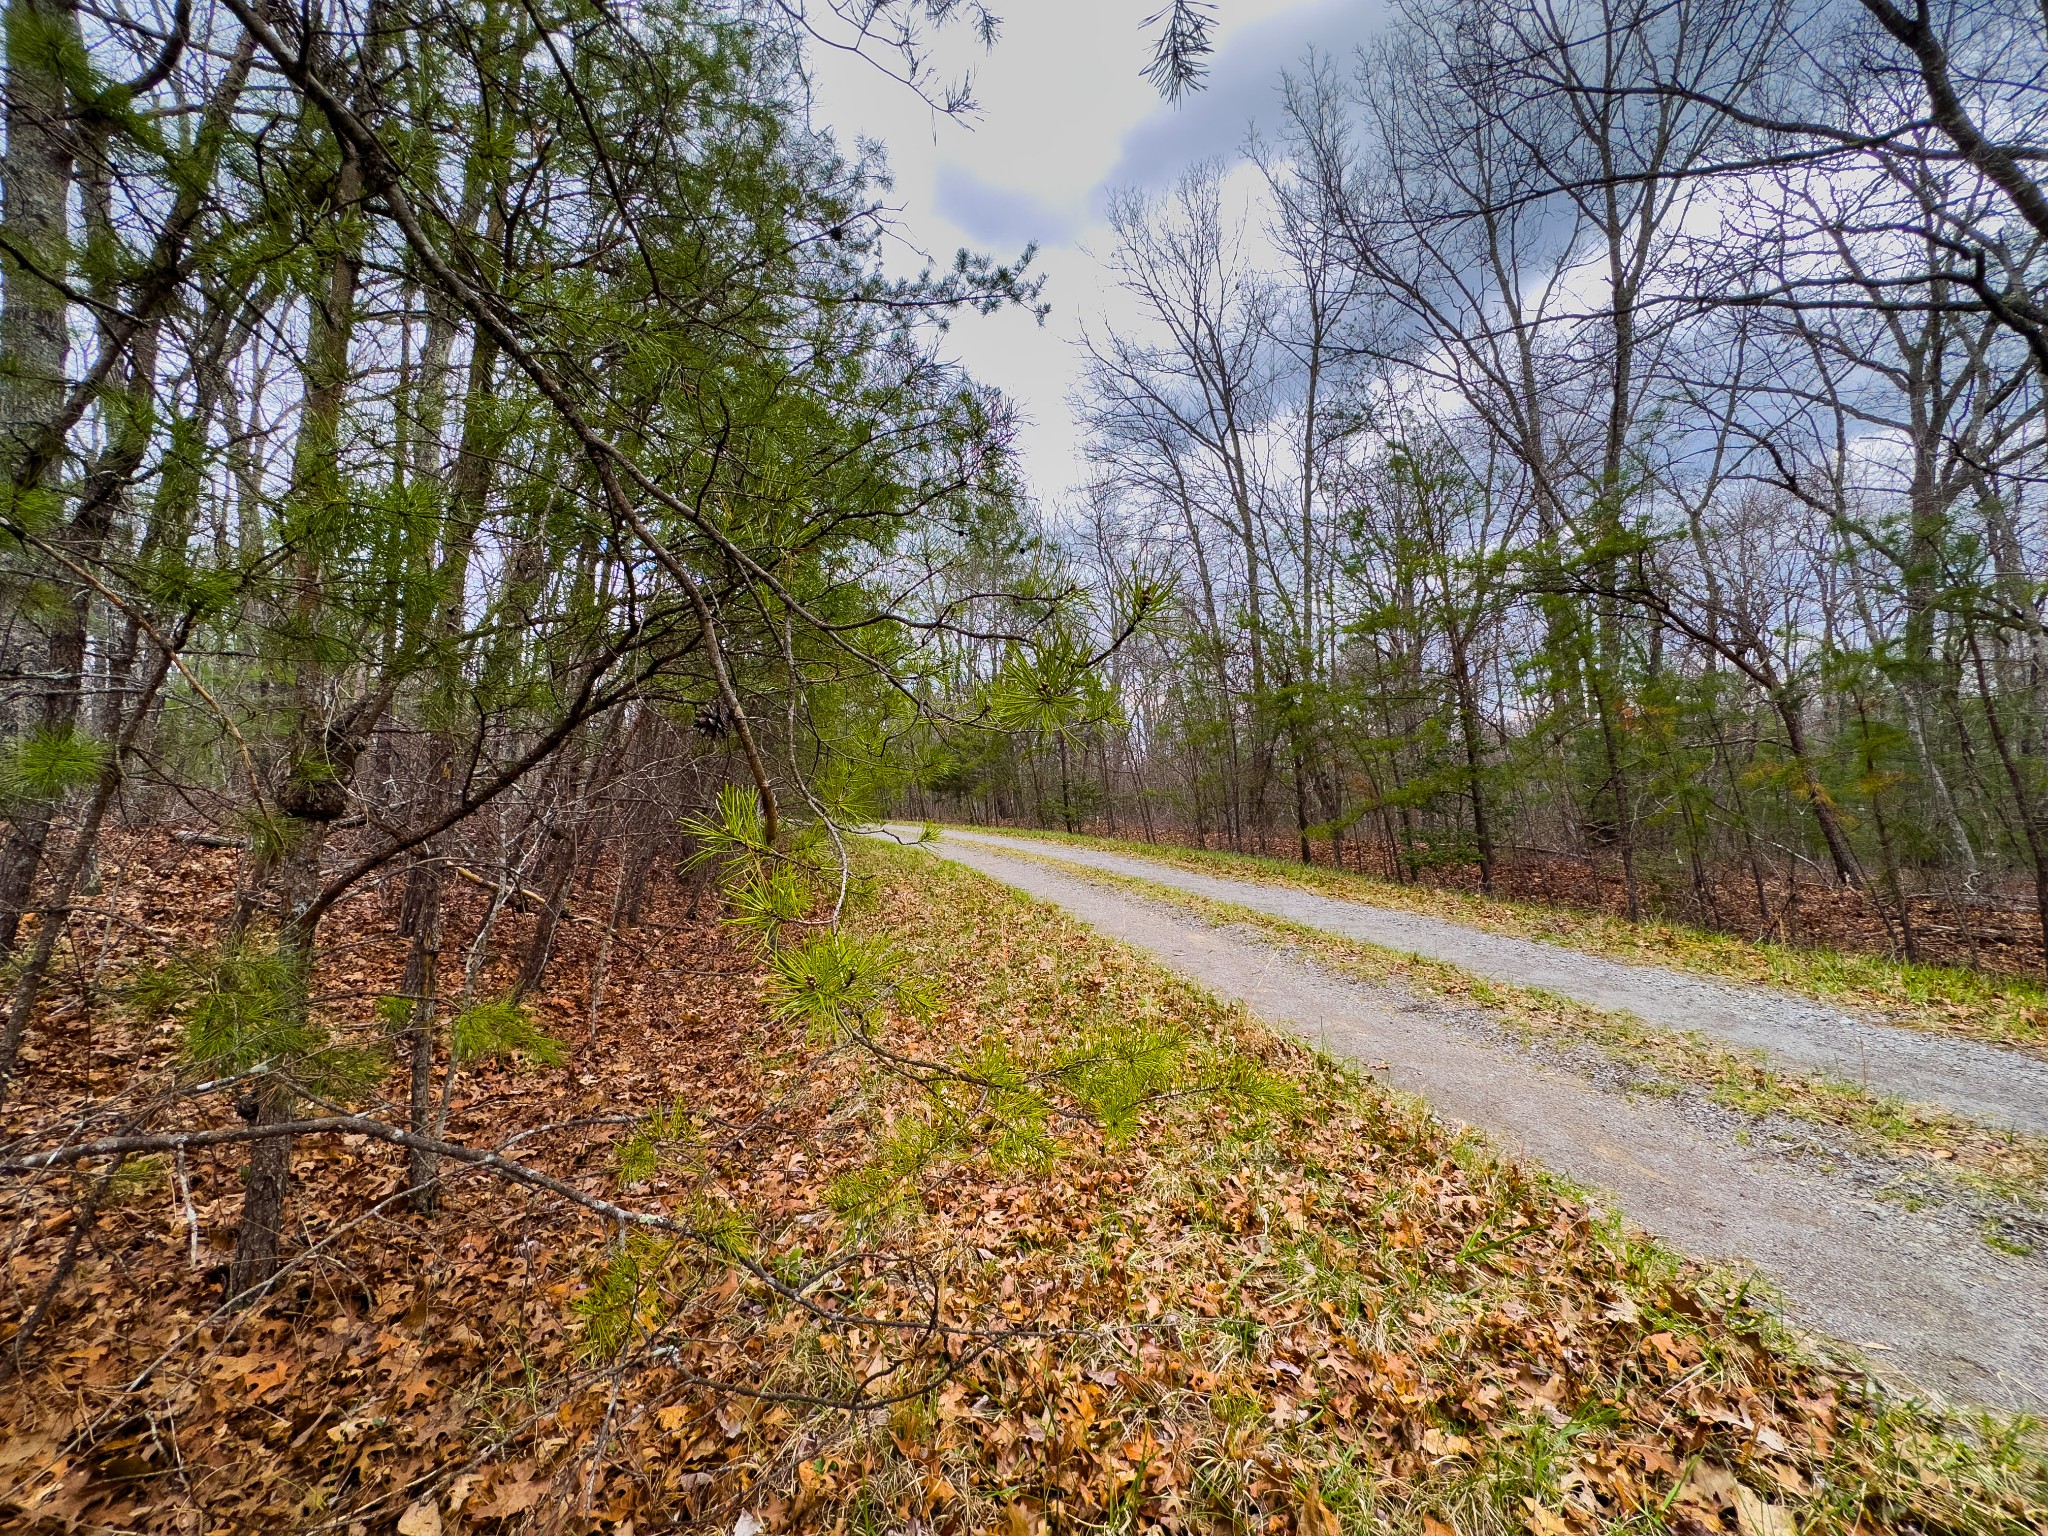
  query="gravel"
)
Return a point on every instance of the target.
[
  {"x": 1994, "y": 1086},
  {"x": 1917, "y": 1299}
]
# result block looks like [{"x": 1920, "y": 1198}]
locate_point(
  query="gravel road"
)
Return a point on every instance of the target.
[
  {"x": 1998, "y": 1087},
  {"x": 1928, "y": 1309}
]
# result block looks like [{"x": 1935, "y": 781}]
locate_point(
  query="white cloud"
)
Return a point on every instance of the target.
[{"x": 1064, "y": 115}]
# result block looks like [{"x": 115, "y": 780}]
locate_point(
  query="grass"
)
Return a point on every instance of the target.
[
  {"x": 2006, "y": 1165},
  {"x": 1285, "y": 1299},
  {"x": 1950, "y": 1000}
]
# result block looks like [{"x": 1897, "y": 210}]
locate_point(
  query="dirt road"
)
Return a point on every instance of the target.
[
  {"x": 1930, "y": 1308},
  {"x": 1983, "y": 1082}
]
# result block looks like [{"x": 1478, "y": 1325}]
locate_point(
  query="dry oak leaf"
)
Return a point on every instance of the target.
[
  {"x": 1676, "y": 1355},
  {"x": 1757, "y": 1516},
  {"x": 29, "y": 1448},
  {"x": 1438, "y": 1445},
  {"x": 459, "y": 1491},
  {"x": 513, "y": 1497},
  {"x": 1316, "y": 1517},
  {"x": 1710, "y": 1485},
  {"x": 421, "y": 1518}
]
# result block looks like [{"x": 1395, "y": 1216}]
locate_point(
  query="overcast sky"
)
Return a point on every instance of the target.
[{"x": 1065, "y": 116}]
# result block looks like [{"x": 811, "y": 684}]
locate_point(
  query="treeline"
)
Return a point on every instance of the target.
[
  {"x": 443, "y": 446},
  {"x": 1591, "y": 448}
]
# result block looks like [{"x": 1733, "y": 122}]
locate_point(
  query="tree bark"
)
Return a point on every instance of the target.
[{"x": 36, "y": 175}]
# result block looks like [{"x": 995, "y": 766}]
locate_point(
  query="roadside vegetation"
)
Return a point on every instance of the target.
[{"x": 1319, "y": 1310}]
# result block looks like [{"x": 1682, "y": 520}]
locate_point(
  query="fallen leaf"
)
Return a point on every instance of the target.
[
  {"x": 513, "y": 1498},
  {"x": 421, "y": 1518},
  {"x": 26, "y": 1448},
  {"x": 1668, "y": 1347},
  {"x": 459, "y": 1491},
  {"x": 1438, "y": 1444},
  {"x": 1710, "y": 1485},
  {"x": 1757, "y": 1516},
  {"x": 1316, "y": 1517}
]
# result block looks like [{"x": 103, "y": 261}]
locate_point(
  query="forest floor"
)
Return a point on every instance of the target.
[
  {"x": 1265, "y": 1295},
  {"x": 1902, "y": 1228}
]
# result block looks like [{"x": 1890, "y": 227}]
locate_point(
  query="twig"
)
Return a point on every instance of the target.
[{"x": 191, "y": 1212}]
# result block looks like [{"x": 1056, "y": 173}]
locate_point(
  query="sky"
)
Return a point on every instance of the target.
[{"x": 1064, "y": 116}]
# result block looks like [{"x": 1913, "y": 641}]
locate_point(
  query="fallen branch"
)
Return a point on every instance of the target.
[{"x": 512, "y": 1172}]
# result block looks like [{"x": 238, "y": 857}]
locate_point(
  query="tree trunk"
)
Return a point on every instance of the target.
[
  {"x": 324, "y": 749},
  {"x": 1469, "y": 729},
  {"x": 2023, "y": 797},
  {"x": 266, "y": 1177},
  {"x": 1300, "y": 795},
  {"x": 1847, "y": 870},
  {"x": 35, "y": 181}
]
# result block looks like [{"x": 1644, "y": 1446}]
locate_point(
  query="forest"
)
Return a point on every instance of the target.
[
  {"x": 491, "y": 531},
  {"x": 459, "y": 432},
  {"x": 1590, "y": 451}
]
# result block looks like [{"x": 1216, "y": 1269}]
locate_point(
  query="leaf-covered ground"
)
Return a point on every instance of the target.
[{"x": 1097, "y": 1254}]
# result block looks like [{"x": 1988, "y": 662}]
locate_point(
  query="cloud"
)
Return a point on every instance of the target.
[
  {"x": 999, "y": 217},
  {"x": 1065, "y": 113},
  {"x": 1243, "y": 88}
]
